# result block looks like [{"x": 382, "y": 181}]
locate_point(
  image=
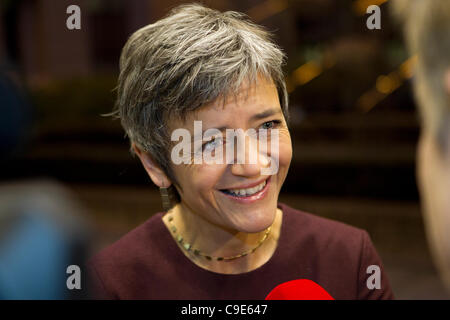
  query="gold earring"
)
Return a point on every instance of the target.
[{"x": 165, "y": 197}]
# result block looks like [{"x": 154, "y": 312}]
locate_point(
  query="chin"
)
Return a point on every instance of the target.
[{"x": 257, "y": 222}]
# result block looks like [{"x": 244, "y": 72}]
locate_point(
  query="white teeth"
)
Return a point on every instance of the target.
[
  {"x": 253, "y": 190},
  {"x": 248, "y": 191}
]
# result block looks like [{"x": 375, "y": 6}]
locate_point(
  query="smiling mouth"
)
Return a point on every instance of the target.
[{"x": 248, "y": 192}]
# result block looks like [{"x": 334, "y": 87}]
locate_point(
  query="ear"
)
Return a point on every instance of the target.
[{"x": 154, "y": 171}]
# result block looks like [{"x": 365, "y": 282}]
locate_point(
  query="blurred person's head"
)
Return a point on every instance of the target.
[
  {"x": 42, "y": 231},
  {"x": 427, "y": 32}
]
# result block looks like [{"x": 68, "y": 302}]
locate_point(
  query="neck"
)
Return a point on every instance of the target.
[{"x": 215, "y": 240}]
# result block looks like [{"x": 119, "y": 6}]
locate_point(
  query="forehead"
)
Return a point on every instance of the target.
[{"x": 234, "y": 108}]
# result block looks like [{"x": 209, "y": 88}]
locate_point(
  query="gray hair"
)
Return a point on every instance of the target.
[
  {"x": 193, "y": 56},
  {"x": 427, "y": 32}
]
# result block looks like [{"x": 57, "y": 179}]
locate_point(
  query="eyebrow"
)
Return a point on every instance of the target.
[
  {"x": 265, "y": 114},
  {"x": 258, "y": 116}
]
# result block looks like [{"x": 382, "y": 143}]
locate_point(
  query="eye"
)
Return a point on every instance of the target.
[
  {"x": 270, "y": 124},
  {"x": 212, "y": 145}
]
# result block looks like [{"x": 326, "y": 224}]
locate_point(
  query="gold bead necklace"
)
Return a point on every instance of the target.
[{"x": 187, "y": 246}]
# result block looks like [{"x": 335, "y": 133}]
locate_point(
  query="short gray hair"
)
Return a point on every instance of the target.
[
  {"x": 193, "y": 56},
  {"x": 427, "y": 32}
]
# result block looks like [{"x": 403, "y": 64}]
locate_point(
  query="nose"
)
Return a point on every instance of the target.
[{"x": 249, "y": 159}]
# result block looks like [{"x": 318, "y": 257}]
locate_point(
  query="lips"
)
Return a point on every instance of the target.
[
  {"x": 250, "y": 185},
  {"x": 242, "y": 192},
  {"x": 245, "y": 195}
]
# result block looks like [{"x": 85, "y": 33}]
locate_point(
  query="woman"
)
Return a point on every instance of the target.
[{"x": 224, "y": 235}]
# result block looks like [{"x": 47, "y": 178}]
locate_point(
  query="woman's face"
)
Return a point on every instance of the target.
[{"x": 229, "y": 195}]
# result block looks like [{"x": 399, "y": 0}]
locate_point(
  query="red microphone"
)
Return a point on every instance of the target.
[{"x": 300, "y": 289}]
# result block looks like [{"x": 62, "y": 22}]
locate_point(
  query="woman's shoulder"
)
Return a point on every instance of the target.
[
  {"x": 304, "y": 226},
  {"x": 139, "y": 243},
  {"x": 117, "y": 271},
  {"x": 336, "y": 251}
]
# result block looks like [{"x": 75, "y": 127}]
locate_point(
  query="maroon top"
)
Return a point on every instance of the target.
[{"x": 146, "y": 263}]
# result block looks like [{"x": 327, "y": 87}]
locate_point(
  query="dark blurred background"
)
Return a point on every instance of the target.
[{"x": 353, "y": 120}]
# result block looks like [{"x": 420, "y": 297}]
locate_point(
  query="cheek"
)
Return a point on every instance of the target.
[
  {"x": 199, "y": 179},
  {"x": 285, "y": 155}
]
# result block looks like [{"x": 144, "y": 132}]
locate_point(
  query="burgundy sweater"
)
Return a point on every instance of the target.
[{"x": 146, "y": 263}]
